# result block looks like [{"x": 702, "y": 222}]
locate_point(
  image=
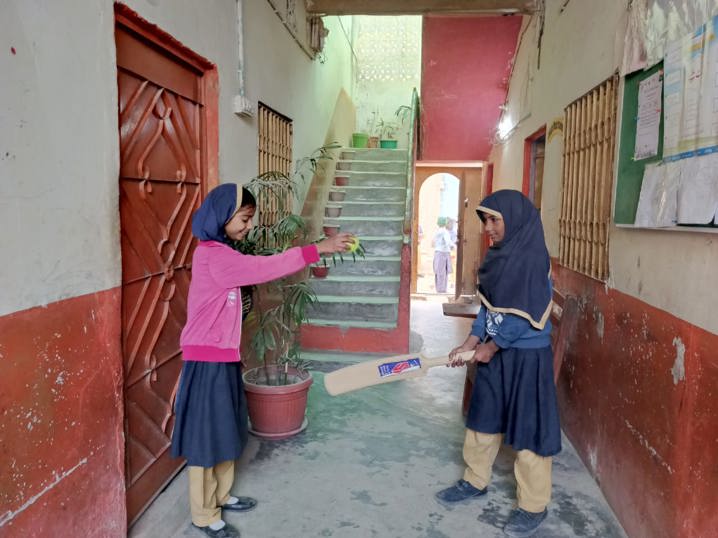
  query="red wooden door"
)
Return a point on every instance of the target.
[{"x": 162, "y": 176}]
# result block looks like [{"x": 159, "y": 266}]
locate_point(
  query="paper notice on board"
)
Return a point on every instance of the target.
[
  {"x": 649, "y": 117},
  {"x": 708, "y": 108},
  {"x": 672, "y": 98},
  {"x": 657, "y": 202},
  {"x": 698, "y": 190}
]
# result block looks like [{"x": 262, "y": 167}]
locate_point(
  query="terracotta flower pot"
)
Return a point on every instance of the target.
[
  {"x": 373, "y": 142},
  {"x": 320, "y": 271},
  {"x": 331, "y": 229},
  {"x": 341, "y": 181},
  {"x": 333, "y": 211},
  {"x": 337, "y": 196},
  {"x": 276, "y": 411}
]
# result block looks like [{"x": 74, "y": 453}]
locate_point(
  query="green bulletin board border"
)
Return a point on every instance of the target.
[{"x": 630, "y": 172}]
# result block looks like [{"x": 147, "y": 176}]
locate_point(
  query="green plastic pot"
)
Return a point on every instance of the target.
[
  {"x": 387, "y": 144},
  {"x": 359, "y": 140}
]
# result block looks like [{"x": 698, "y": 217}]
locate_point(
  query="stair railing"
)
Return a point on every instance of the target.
[{"x": 413, "y": 147}]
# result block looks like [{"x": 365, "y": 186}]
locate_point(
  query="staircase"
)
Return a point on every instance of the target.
[{"x": 360, "y": 305}]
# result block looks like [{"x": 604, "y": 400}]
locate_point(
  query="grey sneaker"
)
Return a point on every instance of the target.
[
  {"x": 461, "y": 491},
  {"x": 522, "y": 523}
]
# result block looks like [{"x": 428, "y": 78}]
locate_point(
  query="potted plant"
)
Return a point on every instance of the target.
[
  {"x": 388, "y": 134},
  {"x": 359, "y": 139},
  {"x": 320, "y": 270},
  {"x": 277, "y": 390}
]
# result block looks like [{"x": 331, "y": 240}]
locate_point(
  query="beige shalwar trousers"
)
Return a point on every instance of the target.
[
  {"x": 533, "y": 472},
  {"x": 208, "y": 491}
]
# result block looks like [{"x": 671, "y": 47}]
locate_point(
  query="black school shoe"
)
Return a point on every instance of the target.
[
  {"x": 243, "y": 504},
  {"x": 459, "y": 492},
  {"x": 228, "y": 531},
  {"x": 522, "y": 524}
]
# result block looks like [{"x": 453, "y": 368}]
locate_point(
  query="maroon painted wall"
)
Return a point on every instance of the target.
[
  {"x": 637, "y": 394},
  {"x": 61, "y": 420},
  {"x": 466, "y": 62}
]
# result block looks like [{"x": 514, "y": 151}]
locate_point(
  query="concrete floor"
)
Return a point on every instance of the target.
[{"x": 370, "y": 461}]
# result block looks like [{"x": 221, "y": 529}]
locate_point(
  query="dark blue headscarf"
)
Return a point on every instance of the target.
[
  {"x": 514, "y": 277},
  {"x": 219, "y": 206}
]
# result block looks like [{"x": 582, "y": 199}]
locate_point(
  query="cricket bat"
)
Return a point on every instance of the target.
[{"x": 370, "y": 373}]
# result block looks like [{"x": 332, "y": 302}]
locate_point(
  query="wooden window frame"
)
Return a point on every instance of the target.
[
  {"x": 275, "y": 139},
  {"x": 587, "y": 180}
]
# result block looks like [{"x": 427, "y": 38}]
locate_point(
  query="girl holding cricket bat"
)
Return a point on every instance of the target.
[
  {"x": 514, "y": 395},
  {"x": 211, "y": 412}
]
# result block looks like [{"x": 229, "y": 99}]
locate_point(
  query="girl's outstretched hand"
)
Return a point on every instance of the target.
[{"x": 336, "y": 243}]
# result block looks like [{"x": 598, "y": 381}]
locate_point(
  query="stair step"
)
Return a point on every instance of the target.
[
  {"x": 376, "y": 154},
  {"x": 374, "y": 179},
  {"x": 382, "y": 245},
  {"x": 382, "y": 285},
  {"x": 372, "y": 208},
  {"x": 374, "y": 194},
  {"x": 369, "y": 266},
  {"x": 374, "y": 226},
  {"x": 355, "y": 308},
  {"x": 344, "y": 324},
  {"x": 339, "y": 356},
  {"x": 356, "y": 299},
  {"x": 372, "y": 165}
]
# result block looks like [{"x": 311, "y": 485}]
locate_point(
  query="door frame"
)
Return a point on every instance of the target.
[
  {"x": 528, "y": 158},
  {"x": 423, "y": 171},
  {"x": 209, "y": 91}
]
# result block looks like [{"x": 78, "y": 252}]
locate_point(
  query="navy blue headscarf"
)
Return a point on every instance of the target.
[
  {"x": 219, "y": 206},
  {"x": 514, "y": 277}
]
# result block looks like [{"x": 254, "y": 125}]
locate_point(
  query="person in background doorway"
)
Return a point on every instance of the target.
[
  {"x": 514, "y": 396},
  {"x": 451, "y": 227},
  {"x": 211, "y": 411},
  {"x": 442, "y": 256}
]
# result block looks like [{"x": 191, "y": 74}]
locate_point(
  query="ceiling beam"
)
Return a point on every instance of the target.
[{"x": 417, "y": 7}]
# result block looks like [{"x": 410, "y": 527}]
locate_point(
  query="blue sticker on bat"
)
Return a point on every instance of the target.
[{"x": 399, "y": 367}]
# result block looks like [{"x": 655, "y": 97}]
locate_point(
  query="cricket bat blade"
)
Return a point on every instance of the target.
[{"x": 378, "y": 371}]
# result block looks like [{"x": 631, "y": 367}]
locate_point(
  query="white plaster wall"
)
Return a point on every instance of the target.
[
  {"x": 379, "y": 99},
  {"x": 59, "y": 222},
  {"x": 582, "y": 46},
  {"x": 59, "y": 217}
]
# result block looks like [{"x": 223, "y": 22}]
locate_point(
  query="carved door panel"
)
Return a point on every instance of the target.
[{"x": 161, "y": 121}]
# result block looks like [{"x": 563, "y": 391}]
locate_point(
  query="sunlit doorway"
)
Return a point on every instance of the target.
[{"x": 438, "y": 199}]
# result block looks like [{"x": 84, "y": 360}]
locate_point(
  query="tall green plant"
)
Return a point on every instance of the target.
[{"x": 281, "y": 305}]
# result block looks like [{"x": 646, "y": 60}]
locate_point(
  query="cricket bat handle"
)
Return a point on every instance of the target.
[{"x": 444, "y": 360}]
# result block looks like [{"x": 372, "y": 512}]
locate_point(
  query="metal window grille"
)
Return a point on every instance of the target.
[
  {"x": 275, "y": 156},
  {"x": 587, "y": 177}
]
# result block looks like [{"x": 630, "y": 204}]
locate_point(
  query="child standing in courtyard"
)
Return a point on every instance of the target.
[
  {"x": 514, "y": 396},
  {"x": 211, "y": 412}
]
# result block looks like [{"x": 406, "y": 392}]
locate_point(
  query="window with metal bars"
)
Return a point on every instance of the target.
[
  {"x": 587, "y": 178},
  {"x": 275, "y": 158}
]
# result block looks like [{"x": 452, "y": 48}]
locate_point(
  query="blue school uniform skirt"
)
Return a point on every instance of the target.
[
  {"x": 514, "y": 394},
  {"x": 211, "y": 413}
]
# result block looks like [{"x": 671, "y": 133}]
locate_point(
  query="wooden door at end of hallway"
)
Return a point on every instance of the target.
[{"x": 162, "y": 177}]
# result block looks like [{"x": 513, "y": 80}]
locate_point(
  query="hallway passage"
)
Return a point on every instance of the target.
[{"x": 370, "y": 461}]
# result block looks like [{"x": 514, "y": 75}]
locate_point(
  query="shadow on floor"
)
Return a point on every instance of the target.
[{"x": 370, "y": 461}]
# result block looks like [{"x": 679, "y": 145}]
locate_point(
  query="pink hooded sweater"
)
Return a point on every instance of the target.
[{"x": 214, "y": 305}]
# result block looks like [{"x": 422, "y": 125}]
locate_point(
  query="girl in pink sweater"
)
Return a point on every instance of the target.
[{"x": 211, "y": 412}]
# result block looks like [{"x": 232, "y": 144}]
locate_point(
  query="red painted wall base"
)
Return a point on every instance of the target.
[
  {"x": 61, "y": 426},
  {"x": 637, "y": 397},
  {"x": 355, "y": 340}
]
